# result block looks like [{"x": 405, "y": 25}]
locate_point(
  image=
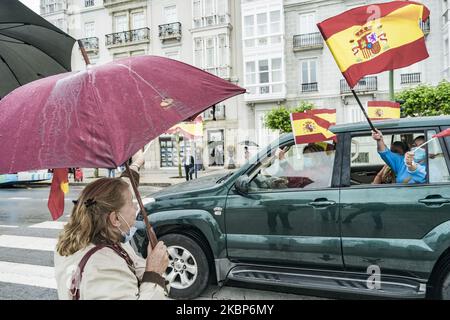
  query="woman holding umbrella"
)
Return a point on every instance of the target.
[{"x": 94, "y": 259}]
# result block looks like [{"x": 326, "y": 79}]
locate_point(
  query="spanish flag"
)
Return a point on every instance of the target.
[
  {"x": 189, "y": 129},
  {"x": 328, "y": 115},
  {"x": 375, "y": 38},
  {"x": 379, "y": 110},
  {"x": 59, "y": 187},
  {"x": 308, "y": 128}
]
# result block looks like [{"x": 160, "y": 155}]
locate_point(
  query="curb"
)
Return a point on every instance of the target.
[{"x": 144, "y": 184}]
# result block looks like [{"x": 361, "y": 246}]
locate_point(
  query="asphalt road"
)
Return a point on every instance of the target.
[{"x": 28, "y": 237}]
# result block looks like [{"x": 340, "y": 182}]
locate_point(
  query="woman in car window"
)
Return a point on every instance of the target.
[{"x": 405, "y": 168}]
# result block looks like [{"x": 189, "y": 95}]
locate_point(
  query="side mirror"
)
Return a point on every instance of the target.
[{"x": 242, "y": 184}]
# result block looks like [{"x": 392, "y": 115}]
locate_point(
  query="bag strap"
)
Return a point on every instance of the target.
[{"x": 76, "y": 278}]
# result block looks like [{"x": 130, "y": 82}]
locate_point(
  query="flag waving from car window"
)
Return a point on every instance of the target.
[{"x": 310, "y": 126}]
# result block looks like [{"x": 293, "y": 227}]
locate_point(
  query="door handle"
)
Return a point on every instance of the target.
[
  {"x": 434, "y": 200},
  {"x": 321, "y": 203}
]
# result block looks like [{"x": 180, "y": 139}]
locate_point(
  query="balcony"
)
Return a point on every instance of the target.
[
  {"x": 408, "y": 78},
  {"x": 309, "y": 87},
  {"x": 90, "y": 44},
  {"x": 135, "y": 36},
  {"x": 366, "y": 84},
  {"x": 170, "y": 31},
  {"x": 425, "y": 26},
  {"x": 308, "y": 41},
  {"x": 222, "y": 72}
]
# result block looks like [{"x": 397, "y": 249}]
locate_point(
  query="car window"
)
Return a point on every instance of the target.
[
  {"x": 436, "y": 161},
  {"x": 368, "y": 167},
  {"x": 304, "y": 166}
]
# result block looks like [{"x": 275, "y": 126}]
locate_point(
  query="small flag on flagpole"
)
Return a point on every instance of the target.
[
  {"x": 59, "y": 187},
  {"x": 308, "y": 127},
  {"x": 379, "y": 110}
]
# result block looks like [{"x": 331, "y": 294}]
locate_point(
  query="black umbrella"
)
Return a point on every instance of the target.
[
  {"x": 249, "y": 143},
  {"x": 30, "y": 47}
]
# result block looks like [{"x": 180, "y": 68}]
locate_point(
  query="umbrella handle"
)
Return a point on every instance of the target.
[{"x": 150, "y": 232}]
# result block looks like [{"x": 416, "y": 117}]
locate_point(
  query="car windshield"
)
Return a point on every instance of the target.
[{"x": 225, "y": 177}]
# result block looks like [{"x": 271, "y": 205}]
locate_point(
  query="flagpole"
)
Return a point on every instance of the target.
[{"x": 363, "y": 110}]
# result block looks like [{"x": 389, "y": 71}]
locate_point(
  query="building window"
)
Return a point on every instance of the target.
[
  {"x": 137, "y": 53},
  {"x": 89, "y": 3},
  {"x": 198, "y": 56},
  {"x": 223, "y": 50},
  {"x": 446, "y": 55},
  {"x": 50, "y": 6},
  {"x": 210, "y": 12},
  {"x": 307, "y": 23},
  {"x": 308, "y": 75},
  {"x": 173, "y": 55},
  {"x": 170, "y": 14},
  {"x": 210, "y": 52},
  {"x": 89, "y": 29},
  {"x": 262, "y": 29},
  {"x": 264, "y": 76},
  {"x": 213, "y": 54},
  {"x": 120, "y": 22},
  {"x": 137, "y": 20},
  {"x": 120, "y": 55}
]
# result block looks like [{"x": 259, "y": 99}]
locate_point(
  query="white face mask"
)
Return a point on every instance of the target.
[{"x": 127, "y": 236}]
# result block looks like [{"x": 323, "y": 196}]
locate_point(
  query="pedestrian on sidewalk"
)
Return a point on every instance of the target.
[
  {"x": 112, "y": 173},
  {"x": 93, "y": 258},
  {"x": 188, "y": 163}
]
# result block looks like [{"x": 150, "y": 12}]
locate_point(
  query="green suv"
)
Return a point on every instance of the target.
[{"x": 314, "y": 216}]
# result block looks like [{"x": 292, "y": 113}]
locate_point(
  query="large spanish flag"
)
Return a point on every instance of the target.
[
  {"x": 375, "y": 38},
  {"x": 379, "y": 110},
  {"x": 308, "y": 128}
]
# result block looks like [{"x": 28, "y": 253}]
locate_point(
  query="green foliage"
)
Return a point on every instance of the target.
[
  {"x": 425, "y": 100},
  {"x": 279, "y": 118}
]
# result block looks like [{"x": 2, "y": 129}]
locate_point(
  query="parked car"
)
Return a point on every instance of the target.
[{"x": 320, "y": 224}]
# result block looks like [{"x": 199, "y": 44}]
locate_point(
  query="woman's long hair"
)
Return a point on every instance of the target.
[{"x": 89, "y": 221}]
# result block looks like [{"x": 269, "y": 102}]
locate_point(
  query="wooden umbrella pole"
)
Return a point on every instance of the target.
[{"x": 150, "y": 232}]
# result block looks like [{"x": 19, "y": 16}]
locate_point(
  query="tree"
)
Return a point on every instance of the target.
[
  {"x": 425, "y": 100},
  {"x": 279, "y": 118}
]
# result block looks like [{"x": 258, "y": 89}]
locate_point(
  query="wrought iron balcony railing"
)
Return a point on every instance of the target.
[
  {"x": 308, "y": 41},
  {"x": 366, "y": 84},
  {"x": 90, "y": 44},
  {"x": 126, "y": 37},
  {"x": 170, "y": 31},
  {"x": 309, "y": 87},
  {"x": 407, "y": 78}
]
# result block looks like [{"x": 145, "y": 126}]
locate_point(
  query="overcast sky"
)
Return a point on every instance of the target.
[{"x": 32, "y": 4}]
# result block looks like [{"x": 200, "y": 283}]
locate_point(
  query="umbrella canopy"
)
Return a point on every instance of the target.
[
  {"x": 98, "y": 118},
  {"x": 249, "y": 143},
  {"x": 30, "y": 47}
]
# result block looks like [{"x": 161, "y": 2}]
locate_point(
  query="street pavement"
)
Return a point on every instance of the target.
[{"x": 28, "y": 237}]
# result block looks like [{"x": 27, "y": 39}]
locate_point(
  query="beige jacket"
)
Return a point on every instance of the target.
[{"x": 106, "y": 276}]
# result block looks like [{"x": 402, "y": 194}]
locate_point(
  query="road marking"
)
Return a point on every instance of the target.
[
  {"x": 59, "y": 225},
  {"x": 27, "y": 274},
  {"x": 30, "y": 243},
  {"x": 20, "y": 198},
  {"x": 5, "y": 226}
]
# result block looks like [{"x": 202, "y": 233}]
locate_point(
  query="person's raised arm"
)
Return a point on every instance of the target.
[{"x": 378, "y": 137}]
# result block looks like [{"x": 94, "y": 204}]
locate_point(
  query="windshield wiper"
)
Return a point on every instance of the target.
[{"x": 224, "y": 177}]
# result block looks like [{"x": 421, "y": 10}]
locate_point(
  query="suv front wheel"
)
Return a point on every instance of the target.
[{"x": 188, "y": 271}]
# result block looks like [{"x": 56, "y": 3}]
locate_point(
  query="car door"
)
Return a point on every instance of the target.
[
  {"x": 284, "y": 219},
  {"x": 392, "y": 225}
]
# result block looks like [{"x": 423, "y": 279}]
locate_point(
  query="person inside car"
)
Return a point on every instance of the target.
[
  {"x": 406, "y": 170},
  {"x": 386, "y": 175}
]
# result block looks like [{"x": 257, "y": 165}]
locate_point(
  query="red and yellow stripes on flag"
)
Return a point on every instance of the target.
[
  {"x": 375, "y": 38},
  {"x": 59, "y": 187},
  {"x": 379, "y": 110},
  {"x": 311, "y": 126},
  {"x": 189, "y": 129}
]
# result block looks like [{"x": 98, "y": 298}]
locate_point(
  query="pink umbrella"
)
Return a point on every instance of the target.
[{"x": 100, "y": 117}]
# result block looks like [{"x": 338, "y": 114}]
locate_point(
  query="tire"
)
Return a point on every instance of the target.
[
  {"x": 188, "y": 277},
  {"x": 440, "y": 281}
]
